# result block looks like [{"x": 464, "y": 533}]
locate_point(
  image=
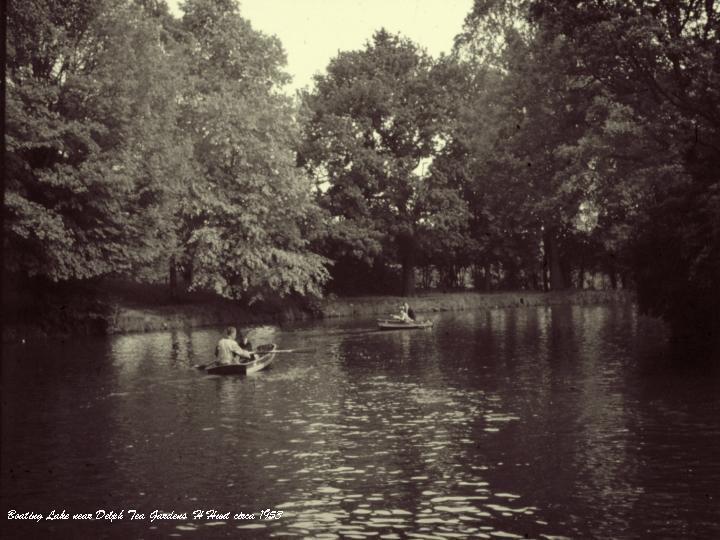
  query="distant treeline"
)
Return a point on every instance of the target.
[{"x": 556, "y": 142}]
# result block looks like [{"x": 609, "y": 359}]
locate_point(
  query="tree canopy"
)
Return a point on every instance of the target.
[
  {"x": 617, "y": 118},
  {"x": 654, "y": 145},
  {"x": 375, "y": 121},
  {"x": 250, "y": 215},
  {"x": 557, "y": 141},
  {"x": 90, "y": 166},
  {"x": 138, "y": 143}
]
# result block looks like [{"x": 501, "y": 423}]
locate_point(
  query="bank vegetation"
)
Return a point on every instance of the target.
[{"x": 557, "y": 145}]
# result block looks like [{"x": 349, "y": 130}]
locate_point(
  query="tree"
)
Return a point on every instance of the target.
[
  {"x": 251, "y": 214},
  {"x": 375, "y": 120},
  {"x": 532, "y": 103},
  {"x": 654, "y": 146},
  {"x": 93, "y": 155},
  {"x": 504, "y": 233}
]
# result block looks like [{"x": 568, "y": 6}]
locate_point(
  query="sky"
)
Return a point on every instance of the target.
[{"x": 313, "y": 31}]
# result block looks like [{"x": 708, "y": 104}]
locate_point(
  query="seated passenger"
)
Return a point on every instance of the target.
[
  {"x": 404, "y": 313},
  {"x": 228, "y": 351},
  {"x": 246, "y": 344}
]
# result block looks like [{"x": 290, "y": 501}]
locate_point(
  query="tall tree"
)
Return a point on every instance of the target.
[
  {"x": 532, "y": 106},
  {"x": 94, "y": 158},
  {"x": 505, "y": 234},
  {"x": 654, "y": 145},
  {"x": 250, "y": 218},
  {"x": 375, "y": 122}
]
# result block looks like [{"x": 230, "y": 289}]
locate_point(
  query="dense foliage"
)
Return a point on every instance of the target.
[
  {"x": 560, "y": 144},
  {"x": 139, "y": 144},
  {"x": 247, "y": 219},
  {"x": 653, "y": 143},
  {"x": 374, "y": 121},
  {"x": 616, "y": 107},
  {"x": 92, "y": 166}
]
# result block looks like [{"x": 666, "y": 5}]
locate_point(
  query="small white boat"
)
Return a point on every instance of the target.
[{"x": 398, "y": 324}]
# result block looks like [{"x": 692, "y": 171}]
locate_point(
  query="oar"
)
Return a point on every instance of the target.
[{"x": 205, "y": 366}]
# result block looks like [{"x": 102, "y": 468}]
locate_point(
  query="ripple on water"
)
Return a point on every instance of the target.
[
  {"x": 506, "y": 495},
  {"x": 328, "y": 489},
  {"x": 413, "y": 452},
  {"x": 461, "y": 510}
]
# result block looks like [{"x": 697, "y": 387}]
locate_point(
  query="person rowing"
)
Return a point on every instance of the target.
[
  {"x": 228, "y": 351},
  {"x": 246, "y": 344},
  {"x": 406, "y": 313}
]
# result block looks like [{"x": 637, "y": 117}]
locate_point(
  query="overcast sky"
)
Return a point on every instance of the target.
[{"x": 313, "y": 31}]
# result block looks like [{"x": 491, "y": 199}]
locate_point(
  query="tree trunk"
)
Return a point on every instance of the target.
[
  {"x": 407, "y": 248},
  {"x": 511, "y": 277},
  {"x": 612, "y": 272},
  {"x": 173, "y": 278},
  {"x": 565, "y": 272},
  {"x": 408, "y": 276},
  {"x": 553, "y": 257},
  {"x": 480, "y": 277},
  {"x": 426, "y": 277},
  {"x": 188, "y": 274}
]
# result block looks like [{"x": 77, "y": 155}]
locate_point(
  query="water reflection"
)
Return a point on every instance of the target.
[{"x": 528, "y": 423}]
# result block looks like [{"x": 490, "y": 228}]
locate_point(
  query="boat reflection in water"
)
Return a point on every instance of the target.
[{"x": 538, "y": 422}]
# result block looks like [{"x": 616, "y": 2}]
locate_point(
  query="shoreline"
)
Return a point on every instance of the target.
[
  {"x": 469, "y": 300},
  {"x": 128, "y": 318}
]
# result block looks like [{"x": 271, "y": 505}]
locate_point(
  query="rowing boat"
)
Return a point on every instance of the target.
[
  {"x": 267, "y": 355},
  {"x": 397, "y": 324}
]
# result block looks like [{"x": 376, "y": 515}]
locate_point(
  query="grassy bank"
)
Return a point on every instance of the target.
[
  {"x": 51, "y": 311},
  {"x": 369, "y": 306},
  {"x": 125, "y": 308}
]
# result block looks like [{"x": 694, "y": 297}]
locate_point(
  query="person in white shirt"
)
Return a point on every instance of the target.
[
  {"x": 228, "y": 351},
  {"x": 405, "y": 313}
]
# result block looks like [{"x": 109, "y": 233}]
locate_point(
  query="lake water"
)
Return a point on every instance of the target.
[{"x": 521, "y": 423}]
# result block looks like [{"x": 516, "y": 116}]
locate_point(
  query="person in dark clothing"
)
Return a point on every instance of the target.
[{"x": 246, "y": 344}]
